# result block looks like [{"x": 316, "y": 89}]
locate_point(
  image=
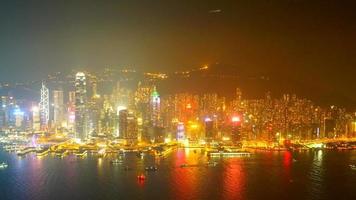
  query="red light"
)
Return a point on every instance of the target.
[
  {"x": 235, "y": 119},
  {"x": 141, "y": 177}
]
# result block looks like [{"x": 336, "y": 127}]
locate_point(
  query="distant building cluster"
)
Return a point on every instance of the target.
[{"x": 137, "y": 114}]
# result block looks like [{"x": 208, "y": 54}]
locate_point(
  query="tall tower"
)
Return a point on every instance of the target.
[
  {"x": 80, "y": 106},
  {"x": 44, "y": 106},
  {"x": 155, "y": 107},
  {"x": 36, "y": 121},
  {"x": 58, "y": 104}
]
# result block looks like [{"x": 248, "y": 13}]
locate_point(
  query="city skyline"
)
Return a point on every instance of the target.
[
  {"x": 83, "y": 109},
  {"x": 177, "y": 99}
]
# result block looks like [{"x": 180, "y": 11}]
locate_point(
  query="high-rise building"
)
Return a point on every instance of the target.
[
  {"x": 123, "y": 123},
  {"x": 132, "y": 128},
  {"x": 36, "y": 121},
  {"x": 80, "y": 106},
  {"x": 3, "y": 111},
  {"x": 209, "y": 129},
  {"x": 155, "y": 105},
  {"x": 44, "y": 106},
  {"x": 19, "y": 118},
  {"x": 58, "y": 107},
  {"x": 236, "y": 129},
  {"x": 180, "y": 132},
  {"x": 71, "y": 110}
]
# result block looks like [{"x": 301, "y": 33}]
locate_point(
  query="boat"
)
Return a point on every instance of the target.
[
  {"x": 212, "y": 164},
  {"x": 151, "y": 168},
  {"x": 121, "y": 153},
  {"x": 116, "y": 161},
  {"x": 139, "y": 154},
  {"x": 229, "y": 154},
  {"x": 3, "y": 165},
  {"x": 353, "y": 167},
  {"x": 184, "y": 165},
  {"x": 141, "y": 177}
]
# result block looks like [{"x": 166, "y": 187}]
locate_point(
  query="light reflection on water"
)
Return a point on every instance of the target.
[{"x": 265, "y": 175}]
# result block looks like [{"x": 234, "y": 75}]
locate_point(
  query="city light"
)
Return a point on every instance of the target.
[
  {"x": 120, "y": 108},
  {"x": 178, "y": 100},
  {"x": 208, "y": 119},
  {"x": 35, "y": 109},
  {"x": 236, "y": 119}
]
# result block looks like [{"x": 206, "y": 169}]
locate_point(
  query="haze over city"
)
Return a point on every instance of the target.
[{"x": 309, "y": 45}]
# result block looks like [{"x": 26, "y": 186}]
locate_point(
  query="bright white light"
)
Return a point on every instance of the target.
[
  {"x": 120, "y": 108},
  {"x": 208, "y": 119},
  {"x": 35, "y": 109},
  {"x": 235, "y": 119}
]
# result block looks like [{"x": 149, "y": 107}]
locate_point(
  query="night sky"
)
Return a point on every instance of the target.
[{"x": 309, "y": 42}]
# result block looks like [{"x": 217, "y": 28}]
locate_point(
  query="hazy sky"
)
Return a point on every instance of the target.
[{"x": 313, "y": 41}]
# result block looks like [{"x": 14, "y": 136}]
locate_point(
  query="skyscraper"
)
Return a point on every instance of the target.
[
  {"x": 44, "y": 106},
  {"x": 80, "y": 106},
  {"x": 155, "y": 108},
  {"x": 209, "y": 129},
  {"x": 58, "y": 107},
  {"x": 123, "y": 124},
  {"x": 36, "y": 121}
]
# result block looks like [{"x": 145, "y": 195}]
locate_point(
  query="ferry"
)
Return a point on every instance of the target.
[
  {"x": 140, "y": 154},
  {"x": 141, "y": 177},
  {"x": 211, "y": 164},
  {"x": 3, "y": 165},
  {"x": 353, "y": 167},
  {"x": 151, "y": 168},
  {"x": 185, "y": 165},
  {"x": 230, "y": 154},
  {"x": 116, "y": 161}
]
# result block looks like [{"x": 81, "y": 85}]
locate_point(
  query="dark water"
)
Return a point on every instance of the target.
[{"x": 265, "y": 175}]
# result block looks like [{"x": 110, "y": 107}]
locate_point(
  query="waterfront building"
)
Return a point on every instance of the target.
[
  {"x": 36, "y": 120},
  {"x": 81, "y": 131},
  {"x": 58, "y": 107},
  {"x": 155, "y": 108}
]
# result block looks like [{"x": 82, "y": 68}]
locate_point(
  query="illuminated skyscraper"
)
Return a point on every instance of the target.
[
  {"x": 127, "y": 125},
  {"x": 236, "y": 128},
  {"x": 80, "y": 106},
  {"x": 58, "y": 107},
  {"x": 209, "y": 129},
  {"x": 180, "y": 132},
  {"x": 44, "y": 106},
  {"x": 36, "y": 121},
  {"x": 155, "y": 104},
  {"x": 19, "y": 118},
  {"x": 71, "y": 110}
]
